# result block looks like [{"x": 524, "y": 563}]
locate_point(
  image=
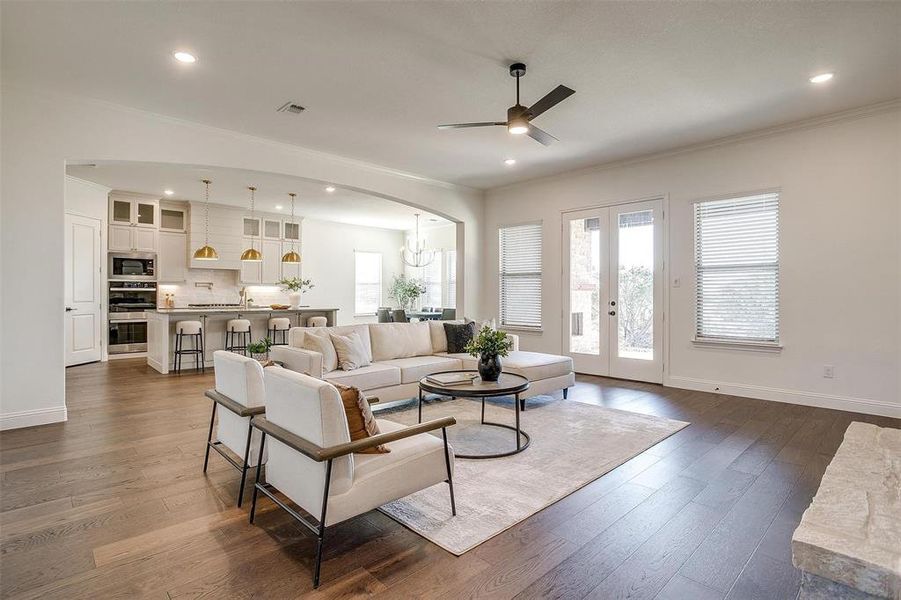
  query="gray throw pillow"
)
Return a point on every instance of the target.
[{"x": 459, "y": 335}]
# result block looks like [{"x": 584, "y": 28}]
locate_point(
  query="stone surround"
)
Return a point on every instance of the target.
[{"x": 851, "y": 532}]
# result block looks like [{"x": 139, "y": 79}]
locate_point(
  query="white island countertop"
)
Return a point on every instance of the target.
[{"x": 203, "y": 310}]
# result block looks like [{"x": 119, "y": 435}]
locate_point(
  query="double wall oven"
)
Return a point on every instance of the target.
[{"x": 128, "y": 302}]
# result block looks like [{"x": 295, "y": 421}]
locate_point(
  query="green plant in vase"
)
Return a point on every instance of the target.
[
  {"x": 295, "y": 287},
  {"x": 260, "y": 350},
  {"x": 490, "y": 345},
  {"x": 405, "y": 291}
]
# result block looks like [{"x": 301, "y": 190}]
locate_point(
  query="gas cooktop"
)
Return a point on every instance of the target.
[{"x": 214, "y": 305}]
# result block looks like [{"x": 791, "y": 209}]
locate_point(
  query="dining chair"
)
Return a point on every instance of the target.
[
  {"x": 384, "y": 315},
  {"x": 400, "y": 316},
  {"x": 448, "y": 314}
]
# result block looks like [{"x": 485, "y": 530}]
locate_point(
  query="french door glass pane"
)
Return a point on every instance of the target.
[
  {"x": 636, "y": 285},
  {"x": 585, "y": 285}
]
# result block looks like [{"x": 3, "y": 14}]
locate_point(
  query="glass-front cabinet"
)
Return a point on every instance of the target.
[{"x": 133, "y": 211}]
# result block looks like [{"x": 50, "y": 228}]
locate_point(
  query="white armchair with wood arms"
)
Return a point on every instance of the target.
[
  {"x": 313, "y": 462},
  {"x": 239, "y": 391}
]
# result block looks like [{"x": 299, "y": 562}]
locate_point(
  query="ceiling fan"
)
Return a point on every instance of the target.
[{"x": 519, "y": 117}]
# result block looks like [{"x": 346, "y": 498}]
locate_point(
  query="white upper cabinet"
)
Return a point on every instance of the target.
[
  {"x": 251, "y": 272},
  {"x": 272, "y": 229},
  {"x": 251, "y": 227},
  {"x": 173, "y": 217},
  {"x": 128, "y": 238},
  {"x": 292, "y": 231},
  {"x": 272, "y": 261},
  {"x": 172, "y": 257},
  {"x": 135, "y": 210}
]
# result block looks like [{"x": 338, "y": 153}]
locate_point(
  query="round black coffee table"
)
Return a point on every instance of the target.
[{"x": 507, "y": 384}]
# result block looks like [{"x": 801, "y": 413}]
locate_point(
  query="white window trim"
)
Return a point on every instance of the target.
[
  {"x": 732, "y": 344},
  {"x": 521, "y": 328}
]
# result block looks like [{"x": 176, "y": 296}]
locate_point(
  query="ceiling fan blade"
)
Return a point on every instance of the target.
[
  {"x": 466, "y": 125},
  {"x": 554, "y": 97},
  {"x": 541, "y": 136}
]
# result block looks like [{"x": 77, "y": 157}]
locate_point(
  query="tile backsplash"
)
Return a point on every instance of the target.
[{"x": 224, "y": 289}]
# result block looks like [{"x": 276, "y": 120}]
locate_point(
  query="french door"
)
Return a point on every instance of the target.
[{"x": 613, "y": 290}]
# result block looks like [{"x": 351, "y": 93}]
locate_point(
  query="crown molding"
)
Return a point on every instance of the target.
[
  {"x": 739, "y": 138},
  {"x": 351, "y": 162}
]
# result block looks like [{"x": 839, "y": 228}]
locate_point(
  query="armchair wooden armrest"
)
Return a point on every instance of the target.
[
  {"x": 238, "y": 409},
  {"x": 320, "y": 454}
]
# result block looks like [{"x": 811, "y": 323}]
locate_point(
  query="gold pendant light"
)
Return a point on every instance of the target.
[
  {"x": 291, "y": 256},
  {"x": 206, "y": 252},
  {"x": 251, "y": 254}
]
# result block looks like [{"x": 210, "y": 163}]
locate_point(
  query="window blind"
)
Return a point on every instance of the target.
[
  {"x": 737, "y": 269},
  {"x": 520, "y": 275},
  {"x": 451, "y": 270},
  {"x": 431, "y": 278},
  {"x": 367, "y": 282}
]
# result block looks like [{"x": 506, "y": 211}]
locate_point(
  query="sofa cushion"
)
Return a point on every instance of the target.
[
  {"x": 439, "y": 337},
  {"x": 295, "y": 336},
  {"x": 459, "y": 336},
  {"x": 414, "y": 368},
  {"x": 537, "y": 365},
  {"x": 322, "y": 343},
  {"x": 374, "y": 376},
  {"x": 350, "y": 351},
  {"x": 399, "y": 340}
]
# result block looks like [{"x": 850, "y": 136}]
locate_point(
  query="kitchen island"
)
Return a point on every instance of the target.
[{"x": 161, "y": 328}]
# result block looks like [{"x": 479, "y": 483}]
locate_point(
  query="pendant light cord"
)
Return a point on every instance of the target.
[{"x": 206, "y": 213}]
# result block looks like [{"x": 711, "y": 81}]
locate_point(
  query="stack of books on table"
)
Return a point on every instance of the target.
[{"x": 451, "y": 378}]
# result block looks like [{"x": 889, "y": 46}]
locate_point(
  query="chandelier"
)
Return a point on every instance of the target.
[{"x": 416, "y": 255}]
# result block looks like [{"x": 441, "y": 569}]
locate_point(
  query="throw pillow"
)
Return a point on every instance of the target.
[
  {"x": 322, "y": 343},
  {"x": 350, "y": 350},
  {"x": 360, "y": 421},
  {"x": 459, "y": 335}
]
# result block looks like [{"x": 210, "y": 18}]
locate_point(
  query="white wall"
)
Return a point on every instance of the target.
[
  {"x": 840, "y": 256},
  {"x": 42, "y": 130}
]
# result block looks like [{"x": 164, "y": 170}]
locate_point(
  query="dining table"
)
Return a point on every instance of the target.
[{"x": 424, "y": 315}]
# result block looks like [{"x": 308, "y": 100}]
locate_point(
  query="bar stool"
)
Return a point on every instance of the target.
[
  {"x": 237, "y": 335},
  {"x": 317, "y": 322},
  {"x": 279, "y": 325},
  {"x": 194, "y": 331}
]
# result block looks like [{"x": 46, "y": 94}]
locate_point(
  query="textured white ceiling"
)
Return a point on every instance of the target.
[
  {"x": 229, "y": 186},
  {"x": 376, "y": 78}
]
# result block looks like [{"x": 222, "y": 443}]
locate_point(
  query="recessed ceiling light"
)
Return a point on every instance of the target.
[
  {"x": 510, "y": 162},
  {"x": 822, "y": 77},
  {"x": 168, "y": 192},
  {"x": 278, "y": 207},
  {"x": 330, "y": 189},
  {"x": 185, "y": 57}
]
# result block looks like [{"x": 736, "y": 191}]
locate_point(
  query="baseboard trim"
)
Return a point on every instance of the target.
[
  {"x": 30, "y": 418},
  {"x": 846, "y": 403}
]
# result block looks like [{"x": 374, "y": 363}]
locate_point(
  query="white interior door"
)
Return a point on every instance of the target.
[
  {"x": 83, "y": 295},
  {"x": 613, "y": 309}
]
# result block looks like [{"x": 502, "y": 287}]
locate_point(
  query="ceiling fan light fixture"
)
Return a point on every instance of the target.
[{"x": 518, "y": 128}]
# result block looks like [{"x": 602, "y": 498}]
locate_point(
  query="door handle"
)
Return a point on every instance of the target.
[
  {"x": 612, "y": 313},
  {"x": 70, "y": 309}
]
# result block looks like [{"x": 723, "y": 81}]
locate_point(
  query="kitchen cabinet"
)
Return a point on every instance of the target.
[
  {"x": 172, "y": 257},
  {"x": 130, "y": 238},
  {"x": 134, "y": 210},
  {"x": 290, "y": 269},
  {"x": 252, "y": 227},
  {"x": 272, "y": 261},
  {"x": 173, "y": 218},
  {"x": 272, "y": 229},
  {"x": 292, "y": 231},
  {"x": 251, "y": 272}
]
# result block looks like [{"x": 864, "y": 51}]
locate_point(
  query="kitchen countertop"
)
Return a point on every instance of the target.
[{"x": 227, "y": 309}]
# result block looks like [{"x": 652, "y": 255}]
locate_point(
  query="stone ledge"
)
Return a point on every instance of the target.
[{"x": 851, "y": 532}]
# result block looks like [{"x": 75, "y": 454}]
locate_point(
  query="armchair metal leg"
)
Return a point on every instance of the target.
[
  {"x": 256, "y": 485},
  {"x": 246, "y": 461},
  {"x": 321, "y": 534},
  {"x": 522, "y": 404},
  {"x": 565, "y": 393},
  {"x": 420, "y": 405},
  {"x": 450, "y": 477},
  {"x": 209, "y": 437}
]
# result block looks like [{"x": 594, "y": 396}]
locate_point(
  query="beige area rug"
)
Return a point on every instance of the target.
[{"x": 572, "y": 445}]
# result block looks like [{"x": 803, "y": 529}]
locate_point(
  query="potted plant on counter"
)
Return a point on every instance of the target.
[
  {"x": 295, "y": 288},
  {"x": 489, "y": 345},
  {"x": 405, "y": 291},
  {"x": 259, "y": 351}
]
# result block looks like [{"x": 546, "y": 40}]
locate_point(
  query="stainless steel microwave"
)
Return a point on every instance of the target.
[{"x": 134, "y": 266}]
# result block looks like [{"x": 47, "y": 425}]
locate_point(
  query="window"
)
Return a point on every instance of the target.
[
  {"x": 430, "y": 275},
  {"x": 520, "y": 275},
  {"x": 367, "y": 282},
  {"x": 450, "y": 259},
  {"x": 737, "y": 269}
]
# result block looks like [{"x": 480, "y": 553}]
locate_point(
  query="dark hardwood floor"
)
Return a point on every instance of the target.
[{"x": 113, "y": 504}]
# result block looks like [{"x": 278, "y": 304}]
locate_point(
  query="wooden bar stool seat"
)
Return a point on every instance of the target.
[
  {"x": 238, "y": 335},
  {"x": 189, "y": 331},
  {"x": 278, "y": 330}
]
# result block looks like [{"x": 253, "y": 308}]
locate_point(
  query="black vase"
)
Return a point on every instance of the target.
[{"x": 489, "y": 367}]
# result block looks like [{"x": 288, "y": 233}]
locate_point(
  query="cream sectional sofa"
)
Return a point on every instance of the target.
[{"x": 402, "y": 353}]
